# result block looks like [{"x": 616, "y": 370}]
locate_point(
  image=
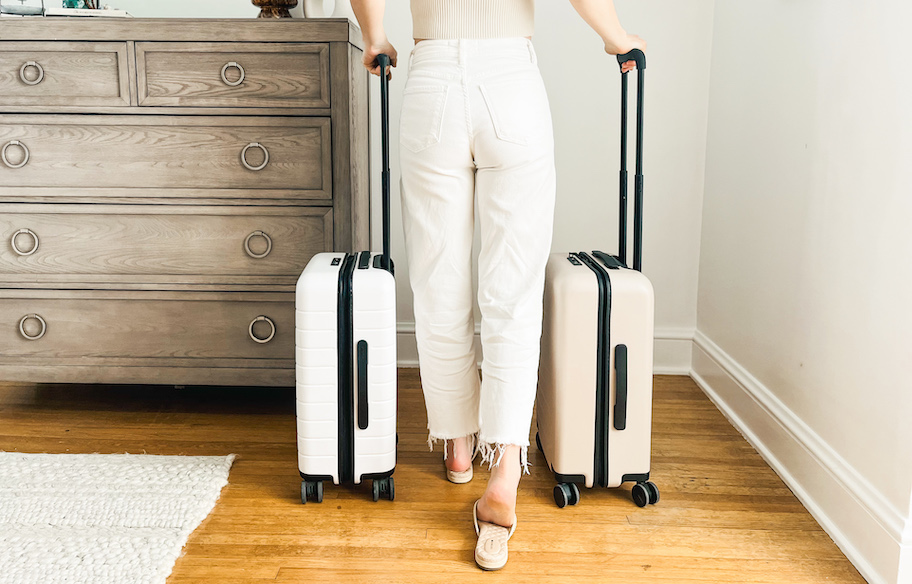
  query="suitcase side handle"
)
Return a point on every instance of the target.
[
  {"x": 362, "y": 385},
  {"x": 640, "y": 59},
  {"x": 620, "y": 403},
  {"x": 384, "y": 61}
]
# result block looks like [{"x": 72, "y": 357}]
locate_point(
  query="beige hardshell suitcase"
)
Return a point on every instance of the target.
[{"x": 594, "y": 402}]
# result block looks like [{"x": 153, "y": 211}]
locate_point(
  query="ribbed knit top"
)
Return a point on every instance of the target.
[{"x": 472, "y": 19}]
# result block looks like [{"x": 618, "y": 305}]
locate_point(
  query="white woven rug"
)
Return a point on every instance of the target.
[{"x": 101, "y": 518}]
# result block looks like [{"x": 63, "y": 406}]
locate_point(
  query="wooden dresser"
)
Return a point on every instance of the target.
[{"x": 163, "y": 183}]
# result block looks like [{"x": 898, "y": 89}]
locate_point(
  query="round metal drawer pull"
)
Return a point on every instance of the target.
[
  {"x": 28, "y": 336},
  {"x": 16, "y": 247},
  {"x": 225, "y": 77},
  {"x": 37, "y": 67},
  {"x": 244, "y": 156},
  {"x": 258, "y": 319},
  {"x": 258, "y": 255},
  {"x": 6, "y": 159}
]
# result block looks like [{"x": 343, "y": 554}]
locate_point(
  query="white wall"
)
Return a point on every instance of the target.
[{"x": 804, "y": 314}]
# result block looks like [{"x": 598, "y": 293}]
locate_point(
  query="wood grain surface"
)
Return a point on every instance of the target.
[
  {"x": 95, "y": 327},
  {"x": 275, "y": 74},
  {"x": 74, "y": 74},
  {"x": 169, "y": 152},
  {"x": 294, "y": 30},
  {"x": 724, "y": 515},
  {"x": 208, "y": 241}
]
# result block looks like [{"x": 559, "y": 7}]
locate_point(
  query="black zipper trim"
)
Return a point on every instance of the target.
[
  {"x": 603, "y": 371},
  {"x": 344, "y": 340}
]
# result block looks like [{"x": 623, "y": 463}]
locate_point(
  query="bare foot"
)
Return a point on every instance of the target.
[
  {"x": 498, "y": 504},
  {"x": 458, "y": 455}
]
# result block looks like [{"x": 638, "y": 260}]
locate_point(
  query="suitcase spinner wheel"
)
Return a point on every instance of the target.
[
  {"x": 385, "y": 488},
  {"x": 566, "y": 494},
  {"x": 645, "y": 494},
  {"x": 312, "y": 490}
]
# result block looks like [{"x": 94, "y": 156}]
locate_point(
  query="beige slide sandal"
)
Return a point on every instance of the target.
[
  {"x": 460, "y": 477},
  {"x": 491, "y": 549}
]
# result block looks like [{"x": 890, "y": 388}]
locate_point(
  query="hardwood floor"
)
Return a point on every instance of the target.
[{"x": 724, "y": 515}]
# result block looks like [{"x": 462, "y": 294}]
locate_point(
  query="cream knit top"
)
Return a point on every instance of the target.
[{"x": 472, "y": 19}]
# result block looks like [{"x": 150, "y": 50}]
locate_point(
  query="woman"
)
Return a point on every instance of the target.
[{"x": 476, "y": 124}]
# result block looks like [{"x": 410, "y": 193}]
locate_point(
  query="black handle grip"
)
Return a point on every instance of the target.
[
  {"x": 384, "y": 61},
  {"x": 635, "y": 55},
  {"x": 611, "y": 262},
  {"x": 362, "y": 384},
  {"x": 620, "y": 403}
]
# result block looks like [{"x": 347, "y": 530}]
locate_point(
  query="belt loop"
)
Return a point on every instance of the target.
[{"x": 532, "y": 55}]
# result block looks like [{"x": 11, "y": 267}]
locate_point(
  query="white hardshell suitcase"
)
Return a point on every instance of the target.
[
  {"x": 594, "y": 400},
  {"x": 345, "y": 362}
]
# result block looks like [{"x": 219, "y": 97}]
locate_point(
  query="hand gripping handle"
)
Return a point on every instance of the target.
[{"x": 634, "y": 55}]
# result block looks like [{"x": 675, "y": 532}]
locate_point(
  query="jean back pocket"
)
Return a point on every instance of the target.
[
  {"x": 422, "y": 116},
  {"x": 518, "y": 107}
]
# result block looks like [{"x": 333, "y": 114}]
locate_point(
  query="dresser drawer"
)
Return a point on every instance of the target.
[
  {"x": 240, "y": 157},
  {"x": 147, "y": 328},
  {"x": 233, "y": 74},
  {"x": 64, "y": 74},
  {"x": 204, "y": 243}
]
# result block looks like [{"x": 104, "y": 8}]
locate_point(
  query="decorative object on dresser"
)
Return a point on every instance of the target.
[
  {"x": 274, "y": 8},
  {"x": 161, "y": 190},
  {"x": 317, "y": 9}
]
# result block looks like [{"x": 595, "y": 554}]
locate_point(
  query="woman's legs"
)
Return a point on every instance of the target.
[
  {"x": 458, "y": 454},
  {"x": 498, "y": 504},
  {"x": 515, "y": 186},
  {"x": 438, "y": 214},
  {"x": 476, "y": 121}
]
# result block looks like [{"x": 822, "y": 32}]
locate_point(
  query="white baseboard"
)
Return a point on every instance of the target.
[
  {"x": 673, "y": 349},
  {"x": 864, "y": 524}
]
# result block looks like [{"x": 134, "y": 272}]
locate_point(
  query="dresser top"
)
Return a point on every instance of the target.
[{"x": 319, "y": 30}]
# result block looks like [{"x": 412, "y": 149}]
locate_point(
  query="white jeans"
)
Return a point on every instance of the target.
[{"x": 476, "y": 124}]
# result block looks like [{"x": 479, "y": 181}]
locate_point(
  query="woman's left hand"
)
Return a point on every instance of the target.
[
  {"x": 372, "y": 50},
  {"x": 622, "y": 45}
]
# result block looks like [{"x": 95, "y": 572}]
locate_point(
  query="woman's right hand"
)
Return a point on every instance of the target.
[
  {"x": 372, "y": 50},
  {"x": 622, "y": 44}
]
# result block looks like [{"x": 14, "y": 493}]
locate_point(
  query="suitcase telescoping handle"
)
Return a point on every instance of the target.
[
  {"x": 637, "y": 56},
  {"x": 384, "y": 61}
]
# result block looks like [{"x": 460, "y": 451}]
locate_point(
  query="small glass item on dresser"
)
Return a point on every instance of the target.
[
  {"x": 22, "y": 7},
  {"x": 275, "y": 8}
]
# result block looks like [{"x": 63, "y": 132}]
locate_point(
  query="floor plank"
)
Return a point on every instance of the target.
[{"x": 724, "y": 515}]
